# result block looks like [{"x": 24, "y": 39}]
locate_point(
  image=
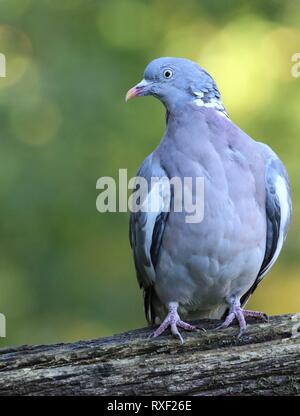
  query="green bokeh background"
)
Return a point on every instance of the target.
[{"x": 66, "y": 271}]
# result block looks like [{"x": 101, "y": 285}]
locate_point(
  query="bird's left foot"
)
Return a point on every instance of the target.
[
  {"x": 173, "y": 321},
  {"x": 237, "y": 312}
]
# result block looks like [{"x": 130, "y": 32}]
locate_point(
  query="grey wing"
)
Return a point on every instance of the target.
[
  {"x": 147, "y": 226},
  {"x": 278, "y": 213}
]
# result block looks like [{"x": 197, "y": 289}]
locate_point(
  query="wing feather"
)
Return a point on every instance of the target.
[
  {"x": 146, "y": 229},
  {"x": 278, "y": 213}
]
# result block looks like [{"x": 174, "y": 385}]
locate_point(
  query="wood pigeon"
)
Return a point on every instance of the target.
[{"x": 206, "y": 269}]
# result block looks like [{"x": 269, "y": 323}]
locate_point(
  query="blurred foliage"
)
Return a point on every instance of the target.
[{"x": 66, "y": 271}]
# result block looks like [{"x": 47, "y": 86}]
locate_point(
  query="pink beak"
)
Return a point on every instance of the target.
[
  {"x": 137, "y": 90},
  {"x": 132, "y": 93}
]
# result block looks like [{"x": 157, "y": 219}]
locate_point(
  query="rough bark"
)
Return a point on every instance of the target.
[{"x": 266, "y": 361}]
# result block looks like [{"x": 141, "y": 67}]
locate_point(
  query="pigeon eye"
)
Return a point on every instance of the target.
[{"x": 168, "y": 73}]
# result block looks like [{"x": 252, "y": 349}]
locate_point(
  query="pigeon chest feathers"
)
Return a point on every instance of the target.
[{"x": 223, "y": 252}]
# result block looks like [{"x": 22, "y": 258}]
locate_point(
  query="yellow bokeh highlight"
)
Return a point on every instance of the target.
[
  {"x": 16, "y": 67},
  {"x": 242, "y": 65},
  {"x": 38, "y": 124},
  {"x": 17, "y": 49}
]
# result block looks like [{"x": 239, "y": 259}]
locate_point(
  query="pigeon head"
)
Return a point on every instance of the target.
[{"x": 177, "y": 81}]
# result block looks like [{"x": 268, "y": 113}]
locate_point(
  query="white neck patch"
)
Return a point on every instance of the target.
[{"x": 214, "y": 102}]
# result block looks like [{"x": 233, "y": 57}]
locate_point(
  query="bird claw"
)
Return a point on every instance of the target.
[{"x": 237, "y": 312}]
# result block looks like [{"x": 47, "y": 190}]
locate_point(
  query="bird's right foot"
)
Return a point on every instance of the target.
[{"x": 237, "y": 312}]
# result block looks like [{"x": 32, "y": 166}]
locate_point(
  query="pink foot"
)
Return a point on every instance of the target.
[
  {"x": 173, "y": 321},
  {"x": 236, "y": 311}
]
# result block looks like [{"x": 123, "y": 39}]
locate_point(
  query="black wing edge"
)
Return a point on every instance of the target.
[
  {"x": 273, "y": 229},
  {"x": 149, "y": 291}
]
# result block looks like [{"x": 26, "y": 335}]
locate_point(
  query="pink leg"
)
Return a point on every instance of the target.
[
  {"x": 173, "y": 321},
  {"x": 236, "y": 311}
]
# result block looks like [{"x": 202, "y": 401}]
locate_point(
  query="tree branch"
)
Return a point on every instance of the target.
[{"x": 266, "y": 361}]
